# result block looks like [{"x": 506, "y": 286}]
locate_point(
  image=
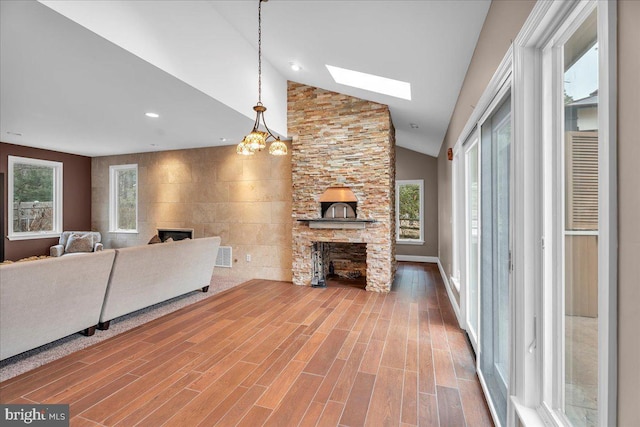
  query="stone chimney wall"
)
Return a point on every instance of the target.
[{"x": 339, "y": 139}]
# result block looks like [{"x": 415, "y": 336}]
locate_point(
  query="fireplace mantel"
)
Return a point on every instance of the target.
[{"x": 338, "y": 223}]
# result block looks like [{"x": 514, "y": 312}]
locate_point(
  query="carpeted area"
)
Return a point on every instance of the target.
[{"x": 31, "y": 359}]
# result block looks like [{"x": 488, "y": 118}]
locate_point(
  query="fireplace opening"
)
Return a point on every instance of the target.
[
  {"x": 175, "y": 233},
  {"x": 339, "y": 264}
]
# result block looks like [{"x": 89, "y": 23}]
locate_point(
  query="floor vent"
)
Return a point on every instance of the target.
[{"x": 224, "y": 257}]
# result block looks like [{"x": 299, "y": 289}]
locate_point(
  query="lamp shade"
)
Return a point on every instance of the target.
[
  {"x": 244, "y": 149},
  {"x": 278, "y": 148}
]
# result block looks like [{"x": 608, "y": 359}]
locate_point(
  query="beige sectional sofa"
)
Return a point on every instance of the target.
[
  {"x": 146, "y": 275},
  {"x": 45, "y": 300}
]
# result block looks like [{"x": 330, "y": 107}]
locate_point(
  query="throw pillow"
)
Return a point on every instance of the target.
[
  {"x": 170, "y": 239},
  {"x": 155, "y": 239},
  {"x": 78, "y": 243}
]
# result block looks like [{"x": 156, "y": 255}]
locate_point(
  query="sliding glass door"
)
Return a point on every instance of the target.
[
  {"x": 472, "y": 237},
  {"x": 580, "y": 230},
  {"x": 495, "y": 170}
]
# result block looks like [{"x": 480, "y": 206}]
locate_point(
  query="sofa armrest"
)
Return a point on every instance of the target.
[
  {"x": 57, "y": 250},
  {"x": 98, "y": 247}
]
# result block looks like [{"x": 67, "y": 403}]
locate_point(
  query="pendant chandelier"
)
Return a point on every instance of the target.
[{"x": 257, "y": 139}]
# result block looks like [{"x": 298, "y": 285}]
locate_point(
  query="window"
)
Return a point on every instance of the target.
[
  {"x": 472, "y": 238},
  {"x": 578, "y": 234},
  {"x": 457, "y": 203},
  {"x": 565, "y": 182},
  {"x": 495, "y": 246},
  {"x": 123, "y": 198},
  {"x": 409, "y": 212},
  {"x": 35, "y": 195}
]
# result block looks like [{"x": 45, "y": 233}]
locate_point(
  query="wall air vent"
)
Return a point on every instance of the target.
[{"x": 224, "y": 257}]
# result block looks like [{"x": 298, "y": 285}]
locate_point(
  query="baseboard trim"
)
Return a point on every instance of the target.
[
  {"x": 417, "y": 258},
  {"x": 454, "y": 303}
]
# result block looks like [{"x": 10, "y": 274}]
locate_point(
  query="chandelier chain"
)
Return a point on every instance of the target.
[
  {"x": 256, "y": 140},
  {"x": 260, "y": 52}
]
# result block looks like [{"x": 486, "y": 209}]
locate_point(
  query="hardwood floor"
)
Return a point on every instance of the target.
[{"x": 274, "y": 354}]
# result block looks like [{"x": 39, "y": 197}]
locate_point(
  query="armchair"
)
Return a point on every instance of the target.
[{"x": 77, "y": 241}]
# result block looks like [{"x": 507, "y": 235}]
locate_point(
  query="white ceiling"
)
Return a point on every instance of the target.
[{"x": 78, "y": 76}]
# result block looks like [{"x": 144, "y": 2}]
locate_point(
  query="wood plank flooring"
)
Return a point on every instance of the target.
[{"x": 270, "y": 353}]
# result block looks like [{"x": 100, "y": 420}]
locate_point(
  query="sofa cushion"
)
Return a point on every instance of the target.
[
  {"x": 97, "y": 237},
  {"x": 78, "y": 243}
]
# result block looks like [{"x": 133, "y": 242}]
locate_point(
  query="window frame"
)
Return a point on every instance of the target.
[
  {"x": 498, "y": 89},
  {"x": 459, "y": 215},
  {"x": 472, "y": 141},
  {"x": 536, "y": 265},
  {"x": 57, "y": 198},
  {"x": 420, "y": 183},
  {"x": 114, "y": 197},
  {"x": 457, "y": 225},
  {"x": 534, "y": 300}
]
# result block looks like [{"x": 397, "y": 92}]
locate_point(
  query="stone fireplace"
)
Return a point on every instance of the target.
[
  {"x": 341, "y": 142},
  {"x": 342, "y": 261}
]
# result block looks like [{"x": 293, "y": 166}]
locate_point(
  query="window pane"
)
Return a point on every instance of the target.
[
  {"x": 502, "y": 139},
  {"x": 472, "y": 236},
  {"x": 409, "y": 211},
  {"x": 33, "y": 190},
  {"x": 494, "y": 269},
  {"x": 127, "y": 199},
  {"x": 581, "y": 225}
]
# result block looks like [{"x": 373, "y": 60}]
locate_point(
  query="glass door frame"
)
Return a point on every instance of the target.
[
  {"x": 536, "y": 269},
  {"x": 533, "y": 304},
  {"x": 473, "y": 141},
  {"x": 497, "y": 89},
  {"x": 502, "y": 94}
]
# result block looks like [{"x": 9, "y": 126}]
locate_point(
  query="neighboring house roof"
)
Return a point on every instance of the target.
[{"x": 592, "y": 99}]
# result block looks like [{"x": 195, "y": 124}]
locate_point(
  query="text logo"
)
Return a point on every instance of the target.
[{"x": 34, "y": 415}]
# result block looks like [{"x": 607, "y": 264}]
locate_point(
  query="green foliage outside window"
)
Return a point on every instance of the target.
[
  {"x": 32, "y": 183},
  {"x": 32, "y": 197},
  {"x": 409, "y": 215},
  {"x": 127, "y": 198}
]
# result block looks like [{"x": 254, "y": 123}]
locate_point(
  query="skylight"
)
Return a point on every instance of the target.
[{"x": 371, "y": 82}]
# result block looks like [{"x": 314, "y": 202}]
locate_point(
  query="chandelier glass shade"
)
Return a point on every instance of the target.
[
  {"x": 257, "y": 139},
  {"x": 243, "y": 149},
  {"x": 278, "y": 148}
]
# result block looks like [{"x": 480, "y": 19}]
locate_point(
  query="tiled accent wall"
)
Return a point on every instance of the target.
[
  {"x": 349, "y": 141},
  {"x": 245, "y": 200}
]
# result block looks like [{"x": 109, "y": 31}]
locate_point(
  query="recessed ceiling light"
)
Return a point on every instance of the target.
[
  {"x": 152, "y": 115},
  {"x": 414, "y": 126},
  {"x": 294, "y": 66},
  {"x": 223, "y": 139},
  {"x": 153, "y": 145},
  {"x": 14, "y": 133},
  {"x": 370, "y": 82}
]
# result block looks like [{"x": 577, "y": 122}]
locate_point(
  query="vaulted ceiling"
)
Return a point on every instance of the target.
[{"x": 79, "y": 76}]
